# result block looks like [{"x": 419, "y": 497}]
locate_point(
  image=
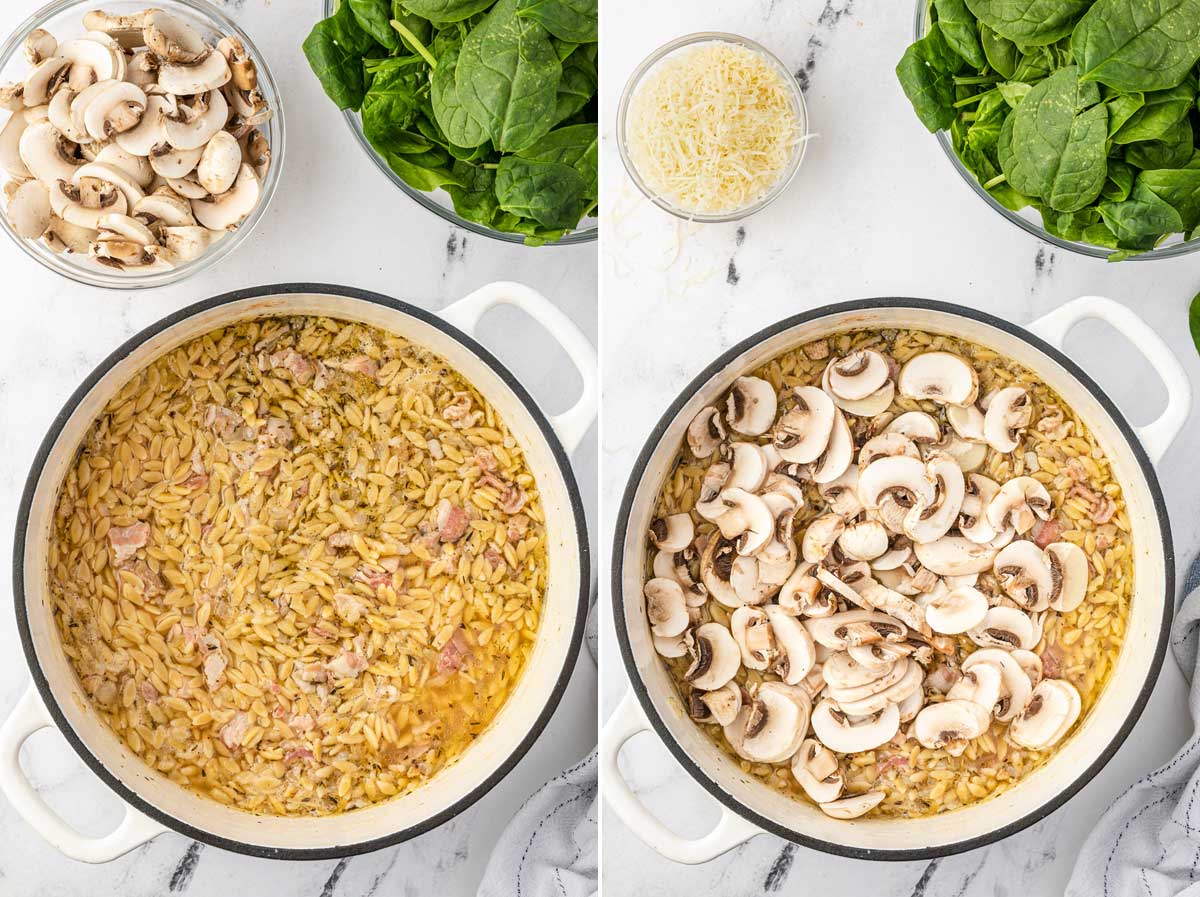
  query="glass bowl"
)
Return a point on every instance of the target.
[
  {"x": 63, "y": 19},
  {"x": 438, "y": 201},
  {"x": 1028, "y": 219},
  {"x": 688, "y": 40}
]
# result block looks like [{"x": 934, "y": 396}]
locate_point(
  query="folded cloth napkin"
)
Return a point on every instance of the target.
[
  {"x": 550, "y": 847},
  {"x": 1148, "y": 843}
]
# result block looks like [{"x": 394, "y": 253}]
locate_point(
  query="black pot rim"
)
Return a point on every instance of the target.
[
  {"x": 190, "y": 831},
  {"x": 693, "y": 768}
]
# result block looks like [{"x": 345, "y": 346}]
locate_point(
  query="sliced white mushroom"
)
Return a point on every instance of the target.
[
  {"x": 954, "y": 556},
  {"x": 29, "y": 210},
  {"x": 967, "y": 421},
  {"x": 164, "y": 207},
  {"x": 802, "y": 432},
  {"x": 256, "y": 152},
  {"x": 840, "y": 732},
  {"x": 918, "y": 426},
  {"x": 220, "y": 162},
  {"x": 45, "y": 78},
  {"x": 770, "y": 728},
  {"x": 956, "y": 610},
  {"x": 673, "y": 646},
  {"x": 969, "y": 455},
  {"x": 672, "y": 533},
  {"x": 1015, "y": 682},
  {"x": 898, "y": 554},
  {"x": 853, "y": 806},
  {"x": 941, "y": 377},
  {"x": 973, "y": 519},
  {"x": 1008, "y": 413},
  {"x": 62, "y": 236},
  {"x": 886, "y": 445},
  {"x": 752, "y": 630},
  {"x": 128, "y": 186},
  {"x": 841, "y": 670},
  {"x": 45, "y": 153},
  {"x": 191, "y": 132},
  {"x": 841, "y": 494},
  {"x": 706, "y": 432},
  {"x": 98, "y": 53},
  {"x": 1030, "y": 663},
  {"x": 796, "y": 655},
  {"x": 172, "y": 39},
  {"x": 184, "y": 79},
  {"x": 858, "y": 375},
  {"x": 10, "y": 152},
  {"x": 746, "y": 519},
  {"x": 950, "y": 725},
  {"x": 1004, "y": 627},
  {"x": 818, "y": 772},
  {"x": 864, "y": 541},
  {"x": 715, "y": 657},
  {"x": 84, "y": 203},
  {"x": 873, "y": 405},
  {"x": 803, "y": 595},
  {"x": 39, "y": 44},
  {"x": 723, "y": 704},
  {"x": 748, "y": 467},
  {"x": 149, "y": 132},
  {"x": 911, "y": 706},
  {"x": 928, "y": 522},
  {"x": 1068, "y": 575},
  {"x": 855, "y": 627},
  {"x": 126, "y": 228},
  {"x": 982, "y": 684},
  {"x": 231, "y": 208},
  {"x": 904, "y": 679},
  {"x": 116, "y": 109},
  {"x": 125, "y": 29},
  {"x": 716, "y": 570},
  {"x": 1051, "y": 711},
  {"x": 839, "y": 452},
  {"x": 750, "y": 407},
  {"x": 1024, "y": 574},
  {"x": 187, "y": 186},
  {"x": 820, "y": 536},
  {"x": 665, "y": 607}
]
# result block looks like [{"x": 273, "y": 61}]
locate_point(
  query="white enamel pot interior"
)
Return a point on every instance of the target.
[
  {"x": 155, "y": 803},
  {"x": 748, "y": 806}
]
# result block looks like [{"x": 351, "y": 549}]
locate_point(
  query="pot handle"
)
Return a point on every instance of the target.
[
  {"x": 134, "y": 830},
  {"x": 1158, "y": 435},
  {"x": 572, "y": 424},
  {"x": 730, "y": 831}
]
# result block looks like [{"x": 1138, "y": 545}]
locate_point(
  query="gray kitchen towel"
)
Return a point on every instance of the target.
[
  {"x": 1148, "y": 843},
  {"x": 549, "y": 848}
]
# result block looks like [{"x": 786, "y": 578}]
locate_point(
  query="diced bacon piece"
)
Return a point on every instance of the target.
[
  {"x": 341, "y": 539},
  {"x": 459, "y": 409},
  {"x": 152, "y": 584},
  {"x": 309, "y": 675},
  {"x": 302, "y": 722},
  {"x": 435, "y": 449},
  {"x": 376, "y": 579},
  {"x": 1103, "y": 510},
  {"x": 214, "y": 669},
  {"x": 348, "y": 607},
  {"x": 452, "y": 521},
  {"x": 223, "y": 421},
  {"x": 1047, "y": 532},
  {"x": 196, "y": 481},
  {"x": 1052, "y": 661},
  {"x": 124, "y": 541},
  {"x": 149, "y": 693},
  {"x": 359, "y": 364},
  {"x": 346, "y": 665},
  {"x": 485, "y": 460},
  {"x": 892, "y": 763},
  {"x": 301, "y": 368},
  {"x": 235, "y": 730},
  {"x": 513, "y": 501},
  {"x": 494, "y": 557},
  {"x": 495, "y": 482},
  {"x": 297, "y": 755},
  {"x": 322, "y": 632},
  {"x": 454, "y": 654},
  {"x": 518, "y": 526}
]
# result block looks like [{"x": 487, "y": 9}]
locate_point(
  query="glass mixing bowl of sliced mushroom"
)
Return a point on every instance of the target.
[
  {"x": 141, "y": 145},
  {"x": 901, "y": 563}
]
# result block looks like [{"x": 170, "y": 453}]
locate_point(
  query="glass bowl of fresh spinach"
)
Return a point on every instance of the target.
[
  {"x": 515, "y": 157},
  {"x": 1077, "y": 120}
]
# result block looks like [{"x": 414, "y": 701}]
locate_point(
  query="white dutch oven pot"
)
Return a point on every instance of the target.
[
  {"x": 748, "y": 807},
  {"x": 155, "y": 804}
]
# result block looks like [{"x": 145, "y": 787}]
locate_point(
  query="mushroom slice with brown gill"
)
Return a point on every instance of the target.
[
  {"x": 672, "y": 533},
  {"x": 189, "y": 79},
  {"x": 898, "y": 554},
  {"x": 1029, "y": 662},
  {"x": 781, "y": 549},
  {"x": 770, "y": 728},
  {"x": 720, "y": 706},
  {"x": 842, "y": 671},
  {"x": 840, "y": 585},
  {"x": 706, "y": 432},
  {"x": 665, "y": 607},
  {"x": 46, "y": 153},
  {"x": 891, "y": 602},
  {"x": 918, "y": 426},
  {"x": 858, "y": 375},
  {"x": 886, "y": 445},
  {"x": 232, "y": 207},
  {"x": 716, "y": 570},
  {"x": 879, "y": 655},
  {"x": 747, "y": 519},
  {"x": 941, "y": 377},
  {"x": 853, "y": 806},
  {"x": 874, "y": 404},
  {"x": 865, "y": 540},
  {"x": 839, "y": 453},
  {"x": 845, "y": 734},
  {"x": 681, "y": 569},
  {"x": 796, "y": 655},
  {"x": 39, "y": 44},
  {"x": 818, "y": 772},
  {"x": 841, "y": 494},
  {"x": 982, "y": 684},
  {"x": 750, "y": 407},
  {"x": 973, "y": 519},
  {"x": 716, "y": 658},
  {"x": 950, "y": 725},
  {"x": 1052, "y": 709},
  {"x": 1015, "y": 685},
  {"x": 891, "y": 487},
  {"x": 967, "y": 422},
  {"x": 45, "y": 78},
  {"x": 752, "y": 630},
  {"x": 754, "y": 581},
  {"x": 855, "y": 627},
  {"x": 1020, "y": 503},
  {"x": 672, "y": 646},
  {"x": 1004, "y": 627},
  {"x": 748, "y": 466},
  {"x": 803, "y": 595},
  {"x": 1025, "y": 575},
  {"x": 820, "y": 536},
  {"x": 891, "y": 688},
  {"x": 954, "y": 556},
  {"x": 1068, "y": 575},
  {"x": 928, "y": 522},
  {"x": 708, "y": 503},
  {"x": 1008, "y": 414},
  {"x": 114, "y": 110},
  {"x": 803, "y": 430},
  {"x": 957, "y": 610}
]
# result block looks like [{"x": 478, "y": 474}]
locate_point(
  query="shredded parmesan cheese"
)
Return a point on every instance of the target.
[{"x": 712, "y": 128}]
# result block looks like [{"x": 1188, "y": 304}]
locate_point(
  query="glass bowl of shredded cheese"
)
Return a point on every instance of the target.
[{"x": 712, "y": 127}]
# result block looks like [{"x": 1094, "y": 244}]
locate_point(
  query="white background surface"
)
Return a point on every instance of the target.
[
  {"x": 334, "y": 219},
  {"x": 876, "y": 210}
]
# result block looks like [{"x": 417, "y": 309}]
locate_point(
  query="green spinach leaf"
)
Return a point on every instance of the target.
[
  {"x": 1179, "y": 188},
  {"x": 374, "y": 17},
  {"x": 460, "y": 127},
  {"x": 446, "y": 10},
  {"x": 1030, "y": 23},
  {"x": 1194, "y": 321},
  {"x": 574, "y": 145},
  {"x": 1002, "y": 54},
  {"x": 926, "y": 73},
  {"x": 551, "y": 193},
  {"x": 1173, "y": 150},
  {"x": 334, "y": 49},
  {"x": 960, "y": 30},
  {"x": 1160, "y": 112},
  {"x": 568, "y": 20},
  {"x": 1140, "y": 221},
  {"x": 1138, "y": 44}
]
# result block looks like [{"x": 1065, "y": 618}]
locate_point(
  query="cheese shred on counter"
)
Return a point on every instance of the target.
[{"x": 712, "y": 128}]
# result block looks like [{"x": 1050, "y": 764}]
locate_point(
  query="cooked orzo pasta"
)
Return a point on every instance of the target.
[
  {"x": 889, "y": 572},
  {"x": 298, "y": 565}
]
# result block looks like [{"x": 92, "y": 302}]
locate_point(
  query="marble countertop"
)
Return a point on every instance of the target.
[
  {"x": 53, "y": 332},
  {"x": 876, "y": 210}
]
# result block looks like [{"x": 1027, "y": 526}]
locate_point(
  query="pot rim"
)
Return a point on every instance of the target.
[
  {"x": 642, "y": 692},
  {"x": 116, "y": 784}
]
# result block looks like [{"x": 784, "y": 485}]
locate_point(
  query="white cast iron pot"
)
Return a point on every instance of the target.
[
  {"x": 749, "y": 807},
  {"x": 155, "y": 804}
]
